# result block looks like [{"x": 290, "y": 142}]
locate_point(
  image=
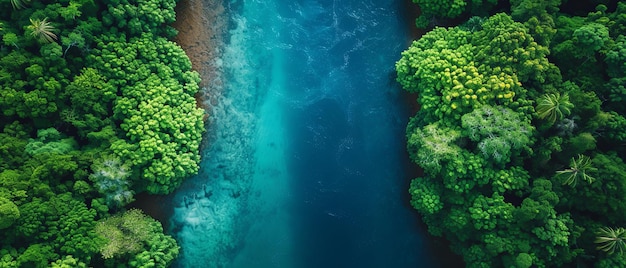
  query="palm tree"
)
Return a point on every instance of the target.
[
  {"x": 610, "y": 240},
  {"x": 17, "y": 4},
  {"x": 554, "y": 107},
  {"x": 579, "y": 167},
  {"x": 42, "y": 30}
]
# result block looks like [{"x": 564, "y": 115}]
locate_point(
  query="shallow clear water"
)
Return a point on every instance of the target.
[{"x": 306, "y": 166}]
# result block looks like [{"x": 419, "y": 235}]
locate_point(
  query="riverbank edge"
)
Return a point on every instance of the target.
[
  {"x": 200, "y": 29},
  {"x": 199, "y": 32}
]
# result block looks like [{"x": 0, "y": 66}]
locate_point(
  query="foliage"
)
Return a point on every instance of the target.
[
  {"x": 9, "y": 213},
  {"x": 506, "y": 102},
  {"x": 111, "y": 179},
  {"x": 65, "y": 223},
  {"x": 156, "y": 111},
  {"x": 499, "y": 132},
  {"x": 537, "y": 17},
  {"x": 91, "y": 100},
  {"x": 579, "y": 167},
  {"x": 65, "y": 67},
  {"x": 12, "y": 149},
  {"x": 133, "y": 234},
  {"x": 68, "y": 262},
  {"x": 50, "y": 140},
  {"x": 603, "y": 196},
  {"x": 162, "y": 250},
  {"x": 425, "y": 196},
  {"x": 591, "y": 37},
  {"x": 142, "y": 16},
  {"x": 616, "y": 57},
  {"x": 431, "y": 145},
  {"x": 455, "y": 71},
  {"x": 615, "y": 128},
  {"x": 42, "y": 30},
  {"x": 17, "y": 4},
  {"x": 125, "y": 234},
  {"x": 36, "y": 255},
  {"x": 611, "y": 240},
  {"x": 553, "y": 107},
  {"x": 431, "y": 10}
]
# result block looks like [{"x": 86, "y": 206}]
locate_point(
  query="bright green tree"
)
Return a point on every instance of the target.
[{"x": 9, "y": 213}]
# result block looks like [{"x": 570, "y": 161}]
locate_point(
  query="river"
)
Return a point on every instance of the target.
[{"x": 306, "y": 164}]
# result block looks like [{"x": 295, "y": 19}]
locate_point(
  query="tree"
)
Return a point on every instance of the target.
[
  {"x": 431, "y": 145},
  {"x": 73, "y": 39},
  {"x": 523, "y": 260},
  {"x": 68, "y": 262},
  {"x": 611, "y": 240},
  {"x": 443, "y": 9},
  {"x": 553, "y": 107},
  {"x": 10, "y": 39},
  {"x": 9, "y": 213},
  {"x": 50, "y": 140},
  {"x": 455, "y": 71},
  {"x": 591, "y": 38},
  {"x": 110, "y": 178},
  {"x": 491, "y": 80},
  {"x": 579, "y": 169},
  {"x": 91, "y": 97},
  {"x": 138, "y": 17},
  {"x": 616, "y": 58},
  {"x": 425, "y": 196},
  {"x": 525, "y": 9},
  {"x": 62, "y": 224},
  {"x": 56, "y": 122},
  {"x": 506, "y": 180},
  {"x": 12, "y": 150},
  {"x": 487, "y": 213},
  {"x": 537, "y": 16},
  {"x": 157, "y": 112},
  {"x": 615, "y": 128},
  {"x": 17, "y": 4},
  {"x": 37, "y": 255},
  {"x": 431, "y": 10},
  {"x": 134, "y": 235},
  {"x": 71, "y": 11},
  {"x": 42, "y": 30},
  {"x": 160, "y": 251},
  {"x": 499, "y": 132}
]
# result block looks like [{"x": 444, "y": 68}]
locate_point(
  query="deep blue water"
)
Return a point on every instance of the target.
[{"x": 306, "y": 166}]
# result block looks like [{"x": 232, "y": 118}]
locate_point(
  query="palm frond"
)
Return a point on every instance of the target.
[
  {"x": 579, "y": 169},
  {"x": 42, "y": 30},
  {"x": 553, "y": 107},
  {"x": 611, "y": 240},
  {"x": 17, "y": 4}
]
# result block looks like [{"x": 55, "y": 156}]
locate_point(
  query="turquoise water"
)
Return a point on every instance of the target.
[{"x": 306, "y": 164}]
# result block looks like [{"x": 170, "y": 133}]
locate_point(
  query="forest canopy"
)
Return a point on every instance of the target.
[
  {"x": 520, "y": 131},
  {"x": 96, "y": 105}
]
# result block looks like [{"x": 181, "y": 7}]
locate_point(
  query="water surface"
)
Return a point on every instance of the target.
[{"x": 306, "y": 166}]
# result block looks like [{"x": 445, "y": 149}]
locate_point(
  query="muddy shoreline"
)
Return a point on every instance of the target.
[{"x": 201, "y": 26}]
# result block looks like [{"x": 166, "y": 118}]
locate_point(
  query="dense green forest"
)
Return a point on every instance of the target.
[
  {"x": 521, "y": 130},
  {"x": 96, "y": 106}
]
